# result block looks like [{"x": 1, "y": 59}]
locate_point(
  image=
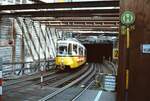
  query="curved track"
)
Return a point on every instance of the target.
[
  {"x": 88, "y": 72},
  {"x": 57, "y": 84}
]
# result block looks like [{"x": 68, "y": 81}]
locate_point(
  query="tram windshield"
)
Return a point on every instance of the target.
[{"x": 62, "y": 50}]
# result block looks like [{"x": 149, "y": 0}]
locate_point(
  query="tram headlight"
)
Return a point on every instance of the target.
[{"x": 62, "y": 60}]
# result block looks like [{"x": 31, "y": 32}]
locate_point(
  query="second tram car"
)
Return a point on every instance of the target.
[{"x": 70, "y": 54}]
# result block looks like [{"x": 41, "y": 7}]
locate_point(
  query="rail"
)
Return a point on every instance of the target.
[
  {"x": 67, "y": 86},
  {"x": 75, "y": 98},
  {"x": 69, "y": 78},
  {"x": 33, "y": 80},
  {"x": 111, "y": 65},
  {"x": 84, "y": 82}
]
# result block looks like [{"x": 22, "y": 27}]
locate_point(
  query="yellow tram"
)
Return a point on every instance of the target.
[{"x": 70, "y": 54}]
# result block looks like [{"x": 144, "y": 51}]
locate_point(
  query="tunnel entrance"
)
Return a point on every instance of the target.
[{"x": 96, "y": 52}]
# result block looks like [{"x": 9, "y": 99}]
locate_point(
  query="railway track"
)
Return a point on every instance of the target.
[
  {"x": 52, "y": 79},
  {"x": 69, "y": 78},
  {"x": 86, "y": 83},
  {"x": 83, "y": 91},
  {"x": 65, "y": 87},
  {"x": 30, "y": 81},
  {"x": 88, "y": 79},
  {"x": 24, "y": 78},
  {"x": 108, "y": 68},
  {"x": 59, "y": 84}
]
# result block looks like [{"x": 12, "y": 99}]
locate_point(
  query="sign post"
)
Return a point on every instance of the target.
[{"x": 127, "y": 19}]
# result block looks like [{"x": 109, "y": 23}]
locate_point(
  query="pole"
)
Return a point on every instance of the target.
[
  {"x": 22, "y": 53},
  {"x": 127, "y": 64},
  {"x": 128, "y": 46},
  {"x": 13, "y": 46},
  {"x": 128, "y": 37},
  {"x": 42, "y": 68},
  {"x": 1, "y": 80}
]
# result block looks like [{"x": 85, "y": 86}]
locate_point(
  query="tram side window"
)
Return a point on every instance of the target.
[
  {"x": 57, "y": 49},
  {"x": 85, "y": 52},
  {"x": 81, "y": 51},
  {"x": 74, "y": 52},
  {"x": 70, "y": 49}
]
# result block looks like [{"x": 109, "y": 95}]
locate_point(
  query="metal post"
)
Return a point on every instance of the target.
[
  {"x": 42, "y": 69},
  {"x": 22, "y": 53},
  {"x": 0, "y": 79},
  {"x": 40, "y": 52},
  {"x": 128, "y": 37},
  {"x": 38, "y": 37},
  {"x": 26, "y": 40},
  {"x": 30, "y": 37},
  {"x": 13, "y": 46},
  {"x": 42, "y": 33},
  {"x": 50, "y": 39},
  {"x": 45, "y": 49}
]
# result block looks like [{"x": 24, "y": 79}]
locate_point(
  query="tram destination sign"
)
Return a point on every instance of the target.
[{"x": 127, "y": 18}]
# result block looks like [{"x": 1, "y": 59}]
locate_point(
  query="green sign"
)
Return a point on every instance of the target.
[{"x": 127, "y": 18}]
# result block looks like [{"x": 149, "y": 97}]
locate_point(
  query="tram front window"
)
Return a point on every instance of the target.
[{"x": 62, "y": 50}]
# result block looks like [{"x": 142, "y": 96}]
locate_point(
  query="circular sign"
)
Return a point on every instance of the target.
[{"x": 127, "y": 18}]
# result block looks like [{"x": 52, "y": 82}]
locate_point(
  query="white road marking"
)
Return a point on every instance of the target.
[{"x": 98, "y": 96}]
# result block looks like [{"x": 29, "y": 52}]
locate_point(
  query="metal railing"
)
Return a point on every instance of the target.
[{"x": 25, "y": 68}]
